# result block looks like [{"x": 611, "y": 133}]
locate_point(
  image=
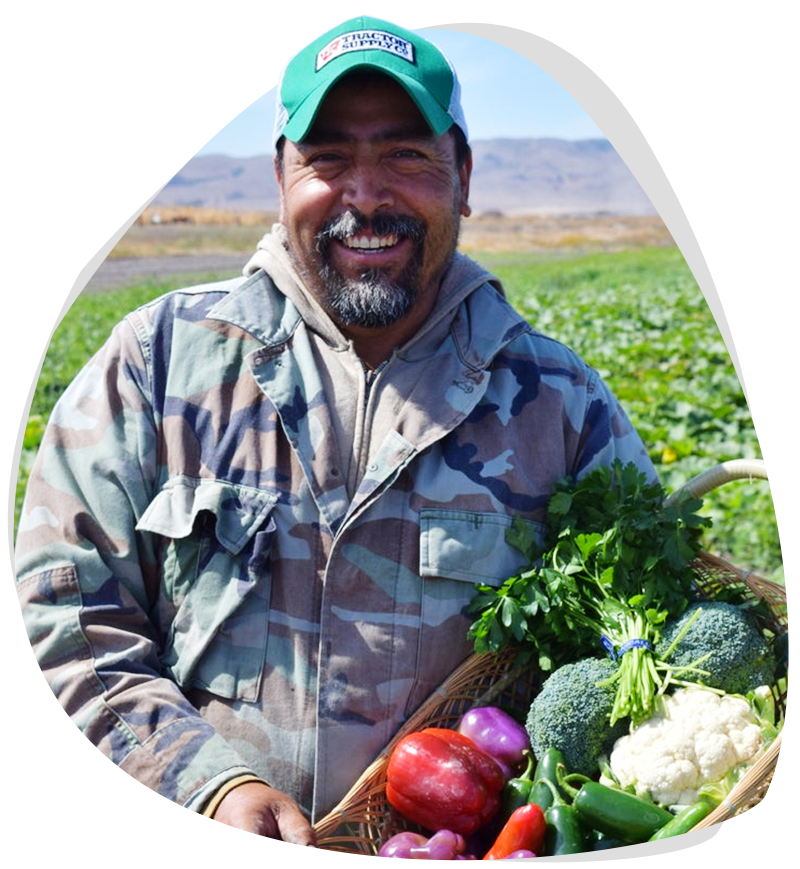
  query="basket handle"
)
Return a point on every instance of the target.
[{"x": 713, "y": 478}]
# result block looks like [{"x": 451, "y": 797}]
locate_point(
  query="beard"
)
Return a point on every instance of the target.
[{"x": 372, "y": 299}]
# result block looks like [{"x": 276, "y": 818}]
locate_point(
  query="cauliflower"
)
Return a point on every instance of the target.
[{"x": 696, "y": 738}]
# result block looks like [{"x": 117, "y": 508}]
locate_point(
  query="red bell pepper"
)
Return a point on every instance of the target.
[
  {"x": 440, "y": 779},
  {"x": 524, "y": 831}
]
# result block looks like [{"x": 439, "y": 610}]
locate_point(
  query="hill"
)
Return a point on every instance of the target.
[{"x": 512, "y": 176}]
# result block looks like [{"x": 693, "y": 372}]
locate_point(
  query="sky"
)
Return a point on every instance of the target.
[{"x": 85, "y": 93}]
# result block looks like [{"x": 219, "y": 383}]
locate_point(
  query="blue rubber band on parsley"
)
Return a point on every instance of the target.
[
  {"x": 615, "y": 653},
  {"x": 615, "y": 565},
  {"x": 634, "y": 644}
]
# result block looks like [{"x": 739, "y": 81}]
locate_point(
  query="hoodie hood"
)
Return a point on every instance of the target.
[{"x": 461, "y": 278}]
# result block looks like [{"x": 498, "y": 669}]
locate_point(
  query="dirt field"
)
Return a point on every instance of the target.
[{"x": 493, "y": 234}]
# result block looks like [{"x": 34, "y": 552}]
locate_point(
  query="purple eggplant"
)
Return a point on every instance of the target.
[{"x": 497, "y": 734}]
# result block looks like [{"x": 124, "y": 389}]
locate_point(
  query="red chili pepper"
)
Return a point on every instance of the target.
[
  {"x": 523, "y": 831},
  {"x": 440, "y": 779}
]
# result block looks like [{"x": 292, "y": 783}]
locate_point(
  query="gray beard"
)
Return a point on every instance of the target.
[{"x": 373, "y": 300}]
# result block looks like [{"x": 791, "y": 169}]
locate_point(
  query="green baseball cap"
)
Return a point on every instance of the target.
[{"x": 367, "y": 43}]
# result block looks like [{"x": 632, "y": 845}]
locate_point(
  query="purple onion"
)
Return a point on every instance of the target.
[
  {"x": 497, "y": 734},
  {"x": 520, "y": 854},
  {"x": 442, "y": 845},
  {"x": 401, "y": 845}
]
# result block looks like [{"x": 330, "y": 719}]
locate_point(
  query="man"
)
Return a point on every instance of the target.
[{"x": 259, "y": 512}]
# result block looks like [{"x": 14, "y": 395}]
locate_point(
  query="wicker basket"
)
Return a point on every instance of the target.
[{"x": 364, "y": 819}]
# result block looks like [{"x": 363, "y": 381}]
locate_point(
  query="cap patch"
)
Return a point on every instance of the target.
[{"x": 364, "y": 40}]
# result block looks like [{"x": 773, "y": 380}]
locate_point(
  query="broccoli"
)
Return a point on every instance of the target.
[
  {"x": 740, "y": 657},
  {"x": 572, "y": 713}
]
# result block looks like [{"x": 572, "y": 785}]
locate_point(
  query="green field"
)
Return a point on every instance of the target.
[
  {"x": 640, "y": 319},
  {"x": 637, "y": 316}
]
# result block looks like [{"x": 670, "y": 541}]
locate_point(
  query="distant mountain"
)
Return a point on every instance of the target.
[
  {"x": 554, "y": 176},
  {"x": 512, "y": 176}
]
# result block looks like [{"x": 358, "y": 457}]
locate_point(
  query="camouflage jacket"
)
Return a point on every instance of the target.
[{"x": 202, "y": 593}]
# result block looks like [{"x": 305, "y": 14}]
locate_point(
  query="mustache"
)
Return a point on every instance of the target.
[{"x": 353, "y": 222}]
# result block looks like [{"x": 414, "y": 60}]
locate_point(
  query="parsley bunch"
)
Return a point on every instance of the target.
[{"x": 616, "y": 564}]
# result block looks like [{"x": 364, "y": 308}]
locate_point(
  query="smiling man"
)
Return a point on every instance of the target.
[
  {"x": 371, "y": 199},
  {"x": 260, "y": 511}
]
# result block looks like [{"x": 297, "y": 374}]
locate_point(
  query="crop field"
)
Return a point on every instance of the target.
[{"x": 637, "y": 315}]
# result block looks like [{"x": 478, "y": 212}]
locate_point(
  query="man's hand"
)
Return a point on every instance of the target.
[{"x": 258, "y": 808}]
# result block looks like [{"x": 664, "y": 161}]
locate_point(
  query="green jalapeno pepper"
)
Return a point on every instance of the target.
[
  {"x": 685, "y": 819},
  {"x": 618, "y": 813},
  {"x": 615, "y": 812},
  {"x": 565, "y": 833},
  {"x": 516, "y": 791},
  {"x": 597, "y": 841},
  {"x": 546, "y": 771}
]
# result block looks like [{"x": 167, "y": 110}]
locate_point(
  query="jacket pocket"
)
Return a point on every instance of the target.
[
  {"x": 216, "y": 582},
  {"x": 458, "y": 549},
  {"x": 467, "y": 546}
]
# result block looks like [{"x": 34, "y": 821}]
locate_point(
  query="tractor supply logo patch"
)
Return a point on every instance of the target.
[{"x": 365, "y": 40}]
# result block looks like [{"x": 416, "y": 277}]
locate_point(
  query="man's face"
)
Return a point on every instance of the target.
[{"x": 372, "y": 201}]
